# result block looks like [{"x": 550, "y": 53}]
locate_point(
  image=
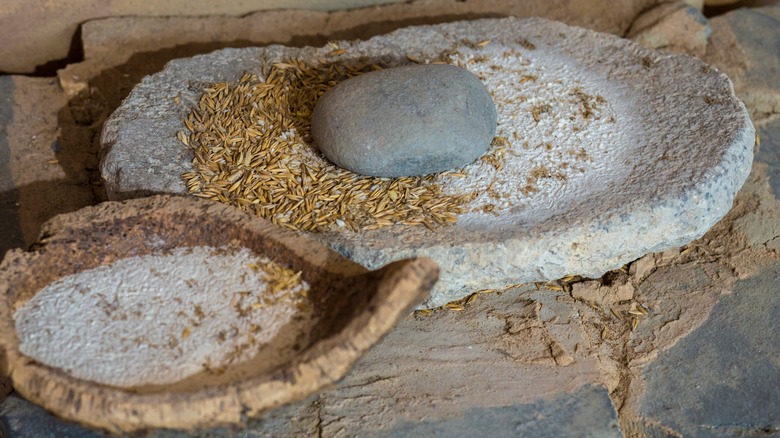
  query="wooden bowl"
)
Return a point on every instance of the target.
[{"x": 354, "y": 307}]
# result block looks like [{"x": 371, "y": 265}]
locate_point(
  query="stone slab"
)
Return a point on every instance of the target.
[
  {"x": 27, "y": 46},
  {"x": 731, "y": 395},
  {"x": 22, "y": 419},
  {"x": 770, "y": 135},
  {"x": 587, "y": 412},
  {"x": 624, "y": 208},
  {"x": 37, "y": 181}
]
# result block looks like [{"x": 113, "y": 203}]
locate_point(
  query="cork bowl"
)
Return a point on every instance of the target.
[{"x": 351, "y": 309}]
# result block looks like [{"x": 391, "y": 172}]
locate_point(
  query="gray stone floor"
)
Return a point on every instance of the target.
[
  {"x": 720, "y": 380},
  {"x": 714, "y": 358}
]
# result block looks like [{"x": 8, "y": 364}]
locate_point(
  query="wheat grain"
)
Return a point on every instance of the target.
[{"x": 253, "y": 149}]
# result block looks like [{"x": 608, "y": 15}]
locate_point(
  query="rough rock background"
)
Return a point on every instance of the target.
[
  {"x": 525, "y": 362},
  {"x": 29, "y": 48}
]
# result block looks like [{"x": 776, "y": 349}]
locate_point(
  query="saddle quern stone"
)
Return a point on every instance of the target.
[
  {"x": 604, "y": 150},
  {"x": 405, "y": 121}
]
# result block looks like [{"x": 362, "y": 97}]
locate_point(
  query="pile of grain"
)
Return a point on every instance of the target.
[
  {"x": 253, "y": 147},
  {"x": 159, "y": 318}
]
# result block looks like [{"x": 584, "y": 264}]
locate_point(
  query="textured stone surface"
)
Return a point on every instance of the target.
[
  {"x": 583, "y": 413},
  {"x": 37, "y": 181},
  {"x": 675, "y": 27},
  {"x": 770, "y": 135},
  {"x": 9, "y": 198},
  {"x": 670, "y": 184},
  {"x": 22, "y": 419},
  {"x": 405, "y": 121},
  {"x": 619, "y": 289},
  {"x": 731, "y": 395}
]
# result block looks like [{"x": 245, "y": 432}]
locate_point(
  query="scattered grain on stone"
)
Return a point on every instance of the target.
[{"x": 159, "y": 318}]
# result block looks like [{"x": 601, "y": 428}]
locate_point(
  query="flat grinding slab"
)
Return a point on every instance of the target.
[{"x": 607, "y": 150}]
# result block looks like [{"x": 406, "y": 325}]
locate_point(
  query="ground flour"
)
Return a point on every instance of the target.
[
  {"x": 557, "y": 127},
  {"x": 158, "y": 318}
]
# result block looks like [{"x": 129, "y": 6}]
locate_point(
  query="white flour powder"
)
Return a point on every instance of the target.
[
  {"x": 558, "y": 128},
  {"x": 158, "y": 318}
]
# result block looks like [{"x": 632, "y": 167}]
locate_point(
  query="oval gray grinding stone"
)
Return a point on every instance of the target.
[{"x": 405, "y": 121}]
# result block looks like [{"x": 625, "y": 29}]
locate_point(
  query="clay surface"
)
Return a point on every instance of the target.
[{"x": 607, "y": 206}]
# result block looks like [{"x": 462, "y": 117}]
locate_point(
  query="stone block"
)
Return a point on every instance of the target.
[
  {"x": 672, "y": 27},
  {"x": 634, "y": 190}
]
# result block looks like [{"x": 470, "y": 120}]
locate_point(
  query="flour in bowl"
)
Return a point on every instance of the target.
[{"x": 158, "y": 318}]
